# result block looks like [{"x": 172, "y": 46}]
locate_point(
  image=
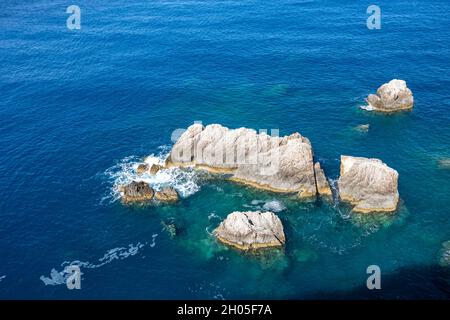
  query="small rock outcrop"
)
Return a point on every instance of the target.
[
  {"x": 323, "y": 187},
  {"x": 155, "y": 168},
  {"x": 280, "y": 164},
  {"x": 141, "y": 168},
  {"x": 368, "y": 184},
  {"x": 167, "y": 195},
  {"x": 251, "y": 230},
  {"x": 392, "y": 96},
  {"x": 136, "y": 192}
]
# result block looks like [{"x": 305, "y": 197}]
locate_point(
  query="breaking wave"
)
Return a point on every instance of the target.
[
  {"x": 185, "y": 181},
  {"x": 367, "y": 107},
  {"x": 268, "y": 205}
]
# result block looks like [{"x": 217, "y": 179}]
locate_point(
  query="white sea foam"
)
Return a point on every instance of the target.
[
  {"x": 274, "y": 206},
  {"x": 2, "y": 277},
  {"x": 335, "y": 191},
  {"x": 268, "y": 205},
  {"x": 56, "y": 278},
  {"x": 119, "y": 253},
  {"x": 185, "y": 181},
  {"x": 153, "y": 240},
  {"x": 367, "y": 107},
  {"x": 213, "y": 215}
]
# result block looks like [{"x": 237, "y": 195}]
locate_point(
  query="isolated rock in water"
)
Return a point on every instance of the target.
[
  {"x": 155, "y": 168},
  {"x": 362, "y": 128},
  {"x": 369, "y": 184},
  {"x": 444, "y": 259},
  {"x": 167, "y": 195},
  {"x": 281, "y": 164},
  {"x": 136, "y": 191},
  {"x": 251, "y": 230},
  {"x": 323, "y": 187},
  {"x": 141, "y": 168},
  {"x": 391, "y": 97}
]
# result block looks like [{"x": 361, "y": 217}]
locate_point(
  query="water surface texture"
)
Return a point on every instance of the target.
[{"x": 79, "y": 107}]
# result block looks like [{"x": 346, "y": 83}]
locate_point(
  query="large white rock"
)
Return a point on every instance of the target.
[
  {"x": 251, "y": 230},
  {"x": 282, "y": 164},
  {"x": 369, "y": 184},
  {"x": 392, "y": 96}
]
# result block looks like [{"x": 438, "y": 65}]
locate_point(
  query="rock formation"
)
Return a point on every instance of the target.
[
  {"x": 251, "y": 230},
  {"x": 323, "y": 187},
  {"x": 136, "y": 192},
  {"x": 281, "y": 164},
  {"x": 167, "y": 194},
  {"x": 368, "y": 184},
  {"x": 392, "y": 96},
  {"x": 141, "y": 168},
  {"x": 155, "y": 168}
]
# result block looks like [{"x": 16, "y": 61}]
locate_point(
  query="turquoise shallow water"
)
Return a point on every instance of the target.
[{"x": 78, "y": 107}]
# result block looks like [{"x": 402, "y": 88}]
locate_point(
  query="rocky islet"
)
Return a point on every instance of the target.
[{"x": 279, "y": 164}]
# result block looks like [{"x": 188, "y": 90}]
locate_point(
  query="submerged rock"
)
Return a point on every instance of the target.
[
  {"x": 136, "y": 192},
  {"x": 392, "y": 96},
  {"x": 305, "y": 255},
  {"x": 251, "y": 230},
  {"x": 168, "y": 194},
  {"x": 323, "y": 187},
  {"x": 369, "y": 184},
  {"x": 141, "y": 168},
  {"x": 362, "y": 128},
  {"x": 444, "y": 163},
  {"x": 444, "y": 259},
  {"x": 280, "y": 164},
  {"x": 170, "y": 228}
]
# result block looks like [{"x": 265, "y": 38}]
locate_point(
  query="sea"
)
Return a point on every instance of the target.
[{"x": 80, "y": 108}]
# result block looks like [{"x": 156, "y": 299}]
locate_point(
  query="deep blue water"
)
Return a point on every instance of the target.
[{"x": 78, "y": 107}]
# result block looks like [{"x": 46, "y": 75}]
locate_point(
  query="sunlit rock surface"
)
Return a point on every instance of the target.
[
  {"x": 251, "y": 230},
  {"x": 167, "y": 195},
  {"x": 323, "y": 187},
  {"x": 136, "y": 191},
  {"x": 392, "y": 96},
  {"x": 369, "y": 184},
  {"x": 281, "y": 164}
]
